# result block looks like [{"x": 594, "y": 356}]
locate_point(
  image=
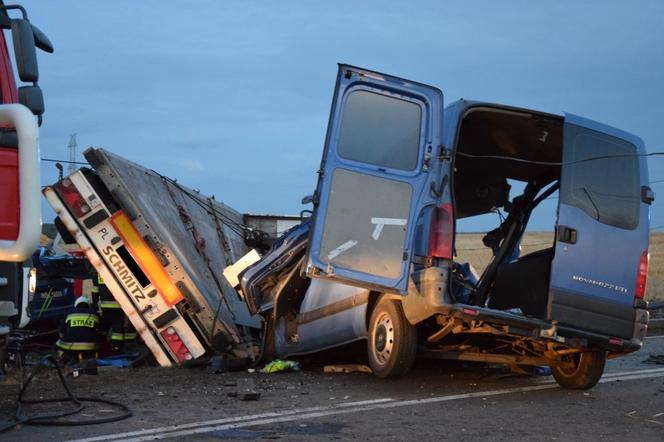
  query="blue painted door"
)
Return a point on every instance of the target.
[
  {"x": 602, "y": 228},
  {"x": 381, "y": 135}
]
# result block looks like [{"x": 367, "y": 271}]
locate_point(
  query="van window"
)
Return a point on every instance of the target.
[
  {"x": 380, "y": 130},
  {"x": 606, "y": 189}
]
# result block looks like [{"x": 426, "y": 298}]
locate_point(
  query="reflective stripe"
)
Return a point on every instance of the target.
[
  {"x": 123, "y": 336},
  {"x": 76, "y": 346},
  {"x": 82, "y": 320},
  {"x": 99, "y": 280},
  {"x": 109, "y": 304},
  {"x": 95, "y": 290}
]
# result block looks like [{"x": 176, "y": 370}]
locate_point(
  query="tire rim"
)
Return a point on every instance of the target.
[
  {"x": 576, "y": 360},
  {"x": 383, "y": 338}
]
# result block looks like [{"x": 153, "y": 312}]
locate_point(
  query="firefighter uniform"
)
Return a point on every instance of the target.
[
  {"x": 113, "y": 320},
  {"x": 79, "y": 336}
]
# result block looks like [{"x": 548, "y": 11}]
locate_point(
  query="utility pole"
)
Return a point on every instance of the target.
[{"x": 72, "y": 154}]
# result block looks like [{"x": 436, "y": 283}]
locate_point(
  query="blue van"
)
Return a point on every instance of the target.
[{"x": 376, "y": 260}]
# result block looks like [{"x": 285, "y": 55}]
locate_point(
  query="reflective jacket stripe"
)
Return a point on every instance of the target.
[
  {"x": 109, "y": 304},
  {"x": 123, "y": 336},
  {"x": 76, "y": 346}
]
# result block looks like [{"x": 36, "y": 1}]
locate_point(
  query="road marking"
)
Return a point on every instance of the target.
[
  {"x": 333, "y": 410},
  {"x": 610, "y": 376},
  {"x": 655, "y": 337},
  {"x": 232, "y": 419},
  {"x": 624, "y": 373}
]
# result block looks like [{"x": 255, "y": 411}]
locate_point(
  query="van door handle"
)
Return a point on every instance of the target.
[
  {"x": 647, "y": 195},
  {"x": 566, "y": 234}
]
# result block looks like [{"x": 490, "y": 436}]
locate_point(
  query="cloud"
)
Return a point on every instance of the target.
[{"x": 191, "y": 165}]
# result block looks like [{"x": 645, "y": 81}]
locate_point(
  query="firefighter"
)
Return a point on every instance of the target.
[
  {"x": 79, "y": 336},
  {"x": 114, "y": 322}
]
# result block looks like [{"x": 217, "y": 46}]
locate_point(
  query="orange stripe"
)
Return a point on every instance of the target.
[{"x": 146, "y": 259}]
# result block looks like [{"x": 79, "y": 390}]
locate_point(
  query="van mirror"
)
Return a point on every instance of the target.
[
  {"x": 308, "y": 199},
  {"x": 32, "y": 98},
  {"x": 24, "y": 50}
]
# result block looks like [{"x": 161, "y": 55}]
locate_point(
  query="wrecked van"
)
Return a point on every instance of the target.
[{"x": 376, "y": 260}]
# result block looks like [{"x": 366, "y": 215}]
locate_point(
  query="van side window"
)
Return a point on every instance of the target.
[
  {"x": 380, "y": 130},
  {"x": 606, "y": 189}
]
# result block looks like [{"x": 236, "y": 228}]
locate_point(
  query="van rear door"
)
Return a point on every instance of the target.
[
  {"x": 602, "y": 229},
  {"x": 381, "y": 135}
]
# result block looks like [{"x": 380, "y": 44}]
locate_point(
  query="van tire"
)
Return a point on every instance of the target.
[
  {"x": 392, "y": 340},
  {"x": 587, "y": 372}
]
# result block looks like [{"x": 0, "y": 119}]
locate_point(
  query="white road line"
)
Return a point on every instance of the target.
[
  {"x": 335, "y": 412},
  {"x": 623, "y": 373},
  {"x": 655, "y": 337},
  {"x": 631, "y": 377},
  {"x": 346, "y": 408},
  {"x": 655, "y": 371},
  {"x": 109, "y": 437}
]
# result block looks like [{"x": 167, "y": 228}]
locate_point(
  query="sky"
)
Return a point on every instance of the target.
[{"x": 233, "y": 97}]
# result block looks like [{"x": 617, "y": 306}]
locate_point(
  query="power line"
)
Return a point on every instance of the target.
[
  {"x": 556, "y": 163},
  {"x": 51, "y": 160}
]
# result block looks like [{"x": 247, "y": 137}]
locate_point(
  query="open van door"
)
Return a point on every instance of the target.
[
  {"x": 602, "y": 232},
  {"x": 382, "y": 132}
]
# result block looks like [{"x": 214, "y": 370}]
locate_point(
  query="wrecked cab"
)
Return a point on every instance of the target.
[{"x": 377, "y": 260}]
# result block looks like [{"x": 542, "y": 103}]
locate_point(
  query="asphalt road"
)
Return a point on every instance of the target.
[{"x": 436, "y": 401}]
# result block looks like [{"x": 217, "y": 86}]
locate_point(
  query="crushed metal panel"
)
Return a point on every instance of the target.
[
  {"x": 198, "y": 233},
  {"x": 273, "y": 225}
]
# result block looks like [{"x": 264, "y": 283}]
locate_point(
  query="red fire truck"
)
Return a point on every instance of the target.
[{"x": 21, "y": 113}]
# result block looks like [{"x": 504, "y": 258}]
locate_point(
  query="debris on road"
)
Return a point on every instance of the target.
[
  {"x": 281, "y": 365},
  {"x": 121, "y": 361},
  {"x": 347, "y": 368},
  {"x": 216, "y": 365},
  {"x": 246, "y": 390},
  {"x": 654, "y": 359}
]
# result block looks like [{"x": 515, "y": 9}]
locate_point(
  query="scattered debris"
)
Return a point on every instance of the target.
[
  {"x": 347, "y": 368},
  {"x": 216, "y": 365},
  {"x": 246, "y": 390},
  {"x": 121, "y": 361},
  {"x": 281, "y": 365},
  {"x": 654, "y": 359}
]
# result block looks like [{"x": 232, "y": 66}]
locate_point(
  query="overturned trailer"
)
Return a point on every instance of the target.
[{"x": 161, "y": 249}]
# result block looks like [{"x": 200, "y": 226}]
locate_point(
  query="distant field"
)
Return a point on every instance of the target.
[{"x": 470, "y": 249}]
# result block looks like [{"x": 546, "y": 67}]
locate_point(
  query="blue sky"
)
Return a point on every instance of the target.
[{"x": 232, "y": 97}]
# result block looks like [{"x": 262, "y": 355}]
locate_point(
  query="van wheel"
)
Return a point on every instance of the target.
[
  {"x": 392, "y": 340},
  {"x": 588, "y": 368}
]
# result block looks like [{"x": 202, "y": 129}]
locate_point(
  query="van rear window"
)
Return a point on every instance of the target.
[
  {"x": 607, "y": 189},
  {"x": 380, "y": 130}
]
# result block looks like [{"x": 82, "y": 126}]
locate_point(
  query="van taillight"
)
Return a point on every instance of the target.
[
  {"x": 642, "y": 276},
  {"x": 441, "y": 235},
  {"x": 72, "y": 197},
  {"x": 174, "y": 341}
]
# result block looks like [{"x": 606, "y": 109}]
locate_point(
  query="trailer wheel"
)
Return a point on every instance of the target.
[
  {"x": 392, "y": 340},
  {"x": 586, "y": 372}
]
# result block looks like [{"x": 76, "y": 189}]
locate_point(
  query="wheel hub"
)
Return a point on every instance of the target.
[{"x": 383, "y": 338}]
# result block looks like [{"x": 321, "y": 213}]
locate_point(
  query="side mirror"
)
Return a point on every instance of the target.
[
  {"x": 308, "y": 199},
  {"x": 32, "y": 98},
  {"x": 41, "y": 40},
  {"x": 24, "y": 50}
]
